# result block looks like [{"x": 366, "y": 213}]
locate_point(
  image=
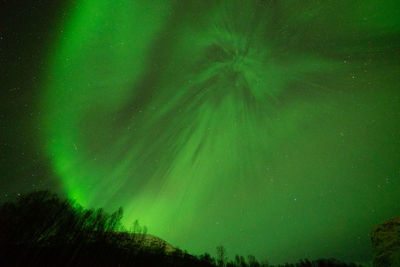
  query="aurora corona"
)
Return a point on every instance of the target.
[{"x": 197, "y": 114}]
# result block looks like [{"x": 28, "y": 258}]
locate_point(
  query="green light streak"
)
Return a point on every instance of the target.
[{"x": 214, "y": 118}]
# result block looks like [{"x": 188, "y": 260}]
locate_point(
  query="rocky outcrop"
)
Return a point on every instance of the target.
[
  {"x": 385, "y": 240},
  {"x": 144, "y": 241},
  {"x": 152, "y": 241}
]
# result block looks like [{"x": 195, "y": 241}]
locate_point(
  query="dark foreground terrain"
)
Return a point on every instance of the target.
[{"x": 39, "y": 229}]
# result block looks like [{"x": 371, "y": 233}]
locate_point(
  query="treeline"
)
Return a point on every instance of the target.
[
  {"x": 251, "y": 261},
  {"x": 39, "y": 229}
]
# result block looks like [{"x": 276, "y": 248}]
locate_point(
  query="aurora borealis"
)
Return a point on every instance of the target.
[{"x": 271, "y": 127}]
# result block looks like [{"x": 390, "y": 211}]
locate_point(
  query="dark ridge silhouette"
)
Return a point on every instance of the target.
[
  {"x": 385, "y": 239},
  {"x": 39, "y": 229}
]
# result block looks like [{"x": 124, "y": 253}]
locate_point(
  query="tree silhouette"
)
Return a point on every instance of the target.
[
  {"x": 221, "y": 256},
  {"x": 39, "y": 229}
]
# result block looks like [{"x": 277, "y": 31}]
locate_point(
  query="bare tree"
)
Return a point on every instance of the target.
[{"x": 221, "y": 256}]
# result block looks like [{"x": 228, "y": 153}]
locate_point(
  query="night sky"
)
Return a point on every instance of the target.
[{"x": 270, "y": 127}]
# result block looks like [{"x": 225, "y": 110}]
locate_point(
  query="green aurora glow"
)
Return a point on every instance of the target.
[{"x": 268, "y": 126}]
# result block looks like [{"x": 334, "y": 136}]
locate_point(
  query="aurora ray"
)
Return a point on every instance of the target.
[{"x": 199, "y": 113}]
